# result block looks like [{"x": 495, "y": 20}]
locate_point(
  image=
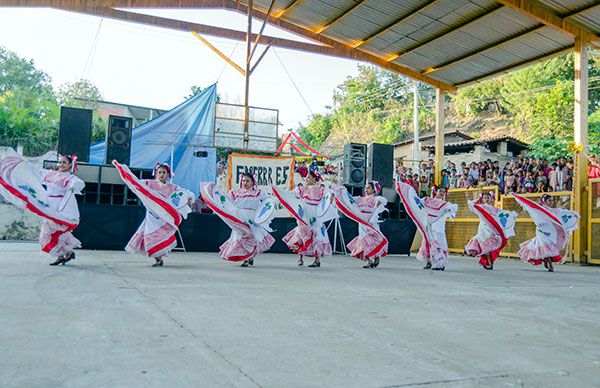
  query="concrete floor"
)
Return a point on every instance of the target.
[{"x": 109, "y": 320}]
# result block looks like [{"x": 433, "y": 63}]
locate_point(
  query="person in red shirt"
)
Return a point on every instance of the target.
[{"x": 594, "y": 172}]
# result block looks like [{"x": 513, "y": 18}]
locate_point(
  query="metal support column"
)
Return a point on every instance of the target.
[
  {"x": 416, "y": 147},
  {"x": 247, "y": 73},
  {"x": 439, "y": 134},
  {"x": 580, "y": 176}
]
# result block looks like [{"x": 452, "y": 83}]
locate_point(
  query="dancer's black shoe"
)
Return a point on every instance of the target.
[
  {"x": 67, "y": 259},
  {"x": 427, "y": 266},
  {"x": 315, "y": 264},
  {"x": 375, "y": 263},
  {"x": 59, "y": 260},
  {"x": 245, "y": 263}
]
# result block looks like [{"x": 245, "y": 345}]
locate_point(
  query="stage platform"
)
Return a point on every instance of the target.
[
  {"x": 110, "y": 227},
  {"x": 110, "y": 320}
]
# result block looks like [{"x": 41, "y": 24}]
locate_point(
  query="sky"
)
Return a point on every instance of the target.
[{"x": 155, "y": 67}]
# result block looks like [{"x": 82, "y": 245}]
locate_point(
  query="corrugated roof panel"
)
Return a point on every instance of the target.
[
  {"x": 311, "y": 13},
  {"x": 589, "y": 19},
  {"x": 565, "y": 6}
]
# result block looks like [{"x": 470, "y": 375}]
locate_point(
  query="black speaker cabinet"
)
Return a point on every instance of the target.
[
  {"x": 354, "y": 163},
  {"x": 75, "y": 132},
  {"x": 118, "y": 139},
  {"x": 380, "y": 164}
]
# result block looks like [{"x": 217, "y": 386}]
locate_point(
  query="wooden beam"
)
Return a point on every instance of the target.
[
  {"x": 219, "y": 53},
  {"x": 580, "y": 127},
  {"x": 282, "y": 11},
  {"x": 536, "y": 10},
  {"x": 220, "y": 32},
  {"x": 396, "y": 22},
  {"x": 449, "y": 30},
  {"x": 339, "y": 17},
  {"x": 516, "y": 66},
  {"x": 490, "y": 46}
]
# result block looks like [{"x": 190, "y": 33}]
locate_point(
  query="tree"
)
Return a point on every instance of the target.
[
  {"x": 30, "y": 120},
  {"x": 84, "y": 94},
  {"x": 72, "y": 93},
  {"x": 374, "y": 106},
  {"x": 28, "y": 109},
  {"x": 20, "y": 73}
]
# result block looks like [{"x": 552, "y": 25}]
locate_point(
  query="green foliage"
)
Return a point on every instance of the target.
[
  {"x": 317, "y": 129},
  {"x": 72, "y": 93},
  {"x": 28, "y": 119},
  {"x": 374, "y": 106},
  {"x": 20, "y": 73},
  {"x": 30, "y": 109}
]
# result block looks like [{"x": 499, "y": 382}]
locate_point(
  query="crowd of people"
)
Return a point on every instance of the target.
[
  {"x": 303, "y": 168},
  {"x": 522, "y": 175}
]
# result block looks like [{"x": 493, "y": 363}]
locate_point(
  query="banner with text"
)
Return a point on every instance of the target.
[{"x": 268, "y": 170}]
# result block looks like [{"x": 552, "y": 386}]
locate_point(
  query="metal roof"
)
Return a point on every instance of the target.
[
  {"x": 508, "y": 139},
  {"x": 454, "y": 41},
  {"x": 444, "y": 43}
]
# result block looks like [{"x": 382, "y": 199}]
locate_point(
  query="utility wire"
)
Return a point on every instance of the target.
[
  {"x": 90, "y": 58},
  {"x": 293, "y": 82}
]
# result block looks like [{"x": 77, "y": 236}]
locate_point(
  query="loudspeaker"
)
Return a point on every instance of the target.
[
  {"x": 118, "y": 139},
  {"x": 380, "y": 164},
  {"x": 354, "y": 164},
  {"x": 75, "y": 132}
]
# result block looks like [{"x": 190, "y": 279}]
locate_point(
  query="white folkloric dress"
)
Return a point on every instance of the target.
[
  {"x": 311, "y": 207},
  {"x": 248, "y": 212},
  {"x": 553, "y": 227},
  {"x": 49, "y": 195},
  {"x": 430, "y": 216},
  {"x": 166, "y": 207},
  {"x": 496, "y": 226},
  {"x": 370, "y": 242}
]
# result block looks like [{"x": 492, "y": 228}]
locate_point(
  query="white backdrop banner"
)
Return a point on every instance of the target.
[{"x": 268, "y": 170}]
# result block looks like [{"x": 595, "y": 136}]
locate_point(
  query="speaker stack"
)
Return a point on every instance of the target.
[
  {"x": 380, "y": 164},
  {"x": 75, "y": 132},
  {"x": 118, "y": 139},
  {"x": 353, "y": 165}
]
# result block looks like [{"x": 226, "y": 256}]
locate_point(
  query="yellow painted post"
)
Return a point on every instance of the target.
[
  {"x": 439, "y": 134},
  {"x": 580, "y": 176}
]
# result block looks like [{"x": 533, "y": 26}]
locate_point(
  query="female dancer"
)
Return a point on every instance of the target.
[
  {"x": 553, "y": 227},
  {"x": 49, "y": 194},
  {"x": 496, "y": 226},
  {"x": 166, "y": 204},
  {"x": 430, "y": 216},
  {"x": 248, "y": 211},
  {"x": 370, "y": 244},
  {"x": 310, "y": 206}
]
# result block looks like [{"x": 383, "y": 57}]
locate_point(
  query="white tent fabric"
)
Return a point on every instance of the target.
[{"x": 187, "y": 128}]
